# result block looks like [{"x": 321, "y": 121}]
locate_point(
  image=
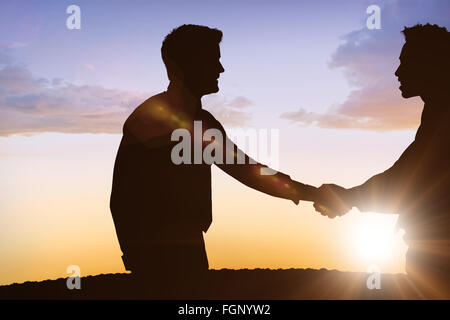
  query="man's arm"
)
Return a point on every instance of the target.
[
  {"x": 387, "y": 191},
  {"x": 256, "y": 175}
]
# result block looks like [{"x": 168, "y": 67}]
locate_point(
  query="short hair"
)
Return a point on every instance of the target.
[
  {"x": 184, "y": 45},
  {"x": 432, "y": 39}
]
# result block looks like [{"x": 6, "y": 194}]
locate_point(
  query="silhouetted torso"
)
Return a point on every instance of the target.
[
  {"x": 426, "y": 212},
  {"x": 161, "y": 192}
]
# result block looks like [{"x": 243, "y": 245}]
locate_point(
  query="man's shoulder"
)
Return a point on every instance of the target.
[
  {"x": 147, "y": 107},
  {"x": 148, "y": 121}
]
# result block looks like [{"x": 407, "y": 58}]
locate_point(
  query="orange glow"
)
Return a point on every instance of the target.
[{"x": 55, "y": 207}]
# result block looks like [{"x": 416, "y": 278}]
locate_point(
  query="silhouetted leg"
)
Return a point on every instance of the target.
[{"x": 173, "y": 266}]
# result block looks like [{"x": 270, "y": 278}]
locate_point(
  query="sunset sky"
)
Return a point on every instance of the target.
[{"x": 311, "y": 69}]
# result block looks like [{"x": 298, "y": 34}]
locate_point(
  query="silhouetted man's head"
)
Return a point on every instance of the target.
[
  {"x": 424, "y": 61},
  {"x": 191, "y": 54}
]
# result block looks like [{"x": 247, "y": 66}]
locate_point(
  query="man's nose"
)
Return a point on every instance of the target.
[
  {"x": 221, "y": 69},
  {"x": 397, "y": 72}
]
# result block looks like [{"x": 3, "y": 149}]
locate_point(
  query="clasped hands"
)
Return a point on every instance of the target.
[
  {"x": 329, "y": 200},
  {"x": 333, "y": 200}
]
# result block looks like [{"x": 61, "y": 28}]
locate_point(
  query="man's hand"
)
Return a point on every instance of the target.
[{"x": 333, "y": 200}]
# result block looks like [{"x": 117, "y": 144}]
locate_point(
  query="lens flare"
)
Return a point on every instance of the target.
[{"x": 375, "y": 237}]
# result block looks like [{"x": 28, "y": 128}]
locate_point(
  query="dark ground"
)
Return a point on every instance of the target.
[{"x": 228, "y": 284}]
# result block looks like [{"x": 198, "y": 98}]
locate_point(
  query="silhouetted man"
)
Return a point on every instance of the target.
[
  {"x": 417, "y": 186},
  {"x": 160, "y": 208}
]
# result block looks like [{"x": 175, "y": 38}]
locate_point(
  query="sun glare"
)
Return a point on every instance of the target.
[{"x": 376, "y": 237}]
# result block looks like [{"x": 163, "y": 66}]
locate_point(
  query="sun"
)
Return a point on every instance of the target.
[{"x": 375, "y": 237}]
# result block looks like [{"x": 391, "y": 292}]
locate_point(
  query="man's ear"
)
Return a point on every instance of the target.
[{"x": 174, "y": 71}]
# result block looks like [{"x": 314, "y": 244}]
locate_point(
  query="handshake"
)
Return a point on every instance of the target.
[
  {"x": 330, "y": 200},
  {"x": 333, "y": 200}
]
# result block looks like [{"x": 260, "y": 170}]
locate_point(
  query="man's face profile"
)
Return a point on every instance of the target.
[
  {"x": 409, "y": 72},
  {"x": 418, "y": 72},
  {"x": 204, "y": 77}
]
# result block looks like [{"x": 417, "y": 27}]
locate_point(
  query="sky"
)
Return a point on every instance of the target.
[{"x": 310, "y": 69}]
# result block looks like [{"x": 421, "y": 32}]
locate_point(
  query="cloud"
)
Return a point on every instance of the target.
[
  {"x": 369, "y": 59},
  {"x": 374, "y": 108},
  {"x": 30, "y": 105},
  {"x": 229, "y": 111},
  {"x": 90, "y": 66},
  {"x": 14, "y": 45}
]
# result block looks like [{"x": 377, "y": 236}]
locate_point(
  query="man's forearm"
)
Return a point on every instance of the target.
[
  {"x": 284, "y": 187},
  {"x": 379, "y": 194},
  {"x": 258, "y": 176},
  {"x": 391, "y": 189},
  {"x": 306, "y": 192},
  {"x": 278, "y": 185}
]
